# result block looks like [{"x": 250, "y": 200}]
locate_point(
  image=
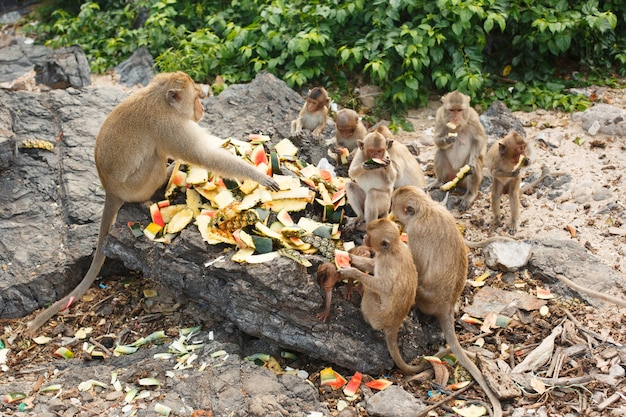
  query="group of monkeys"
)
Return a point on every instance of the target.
[
  {"x": 160, "y": 122},
  {"x": 379, "y": 165},
  {"x": 385, "y": 178}
]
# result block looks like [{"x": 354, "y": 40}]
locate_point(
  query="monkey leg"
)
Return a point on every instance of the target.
[
  {"x": 496, "y": 196},
  {"x": 356, "y": 198},
  {"x": 377, "y": 204},
  {"x": 515, "y": 203},
  {"x": 472, "y": 182}
]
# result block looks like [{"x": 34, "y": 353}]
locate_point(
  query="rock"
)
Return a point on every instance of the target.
[
  {"x": 499, "y": 121},
  {"x": 393, "y": 402},
  {"x": 507, "y": 256},
  {"x": 550, "y": 137},
  {"x": 567, "y": 257},
  {"x": 603, "y": 118},
  {"x": 136, "y": 70},
  {"x": 63, "y": 68},
  {"x": 20, "y": 57}
]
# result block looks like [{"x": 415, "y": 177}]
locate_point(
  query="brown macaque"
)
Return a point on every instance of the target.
[
  {"x": 313, "y": 114},
  {"x": 327, "y": 277},
  {"x": 440, "y": 257},
  {"x": 389, "y": 280},
  {"x": 505, "y": 159},
  {"x": 460, "y": 140},
  {"x": 372, "y": 179},
  {"x": 131, "y": 152},
  {"x": 350, "y": 129},
  {"x": 409, "y": 170}
]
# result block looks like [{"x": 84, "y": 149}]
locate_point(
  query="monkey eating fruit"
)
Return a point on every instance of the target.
[{"x": 131, "y": 151}]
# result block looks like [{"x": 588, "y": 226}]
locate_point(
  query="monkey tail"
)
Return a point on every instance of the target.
[
  {"x": 485, "y": 242},
  {"x": 111, "y": 207},
  {"x": 604, "y": 297},
  {"x": 446, "y": 323},
  {"x": 391, "y": 336}
]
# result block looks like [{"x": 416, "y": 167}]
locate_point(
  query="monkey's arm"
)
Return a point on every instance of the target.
[
  {"x": 478, "y": 144},
  {"x": 202, "y": 149},
  {"x": 362, "y": 263},
  {"x": 371, "y": 282}
]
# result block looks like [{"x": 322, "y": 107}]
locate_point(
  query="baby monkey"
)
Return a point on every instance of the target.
[
  {"x": 327, "y": 277},
  {"x": 313, "y": 114}
]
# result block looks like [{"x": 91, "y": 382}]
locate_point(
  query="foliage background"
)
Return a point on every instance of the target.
[{"x": 524, "y": 52}]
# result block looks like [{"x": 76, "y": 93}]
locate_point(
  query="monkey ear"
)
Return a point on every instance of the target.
[
  {"x": 360, "y": 143},
  {"x": 389, "y": 143},
  {"x": 410, "y": 210},
  {"x": 174, "y": 96},
  {"x": 501, "y": 148},
  {"x": 385, "y": 244}
]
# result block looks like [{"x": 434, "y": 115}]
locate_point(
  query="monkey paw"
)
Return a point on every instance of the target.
[{"x": 271, "y": 184}]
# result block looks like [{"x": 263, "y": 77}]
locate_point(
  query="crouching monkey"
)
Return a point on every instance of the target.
[
  {"x": 131, "y": 151},
  {"x": 389, "y": 292}
]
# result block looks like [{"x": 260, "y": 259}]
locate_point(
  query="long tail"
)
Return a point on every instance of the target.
[
  {"x": 111, "y": 207},
  {"x": 391, "y": 336},
  {"x": 447, "y": 325}
]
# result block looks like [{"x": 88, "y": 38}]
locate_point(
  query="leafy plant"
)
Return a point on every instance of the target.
[{"x": 524, "y": 52}]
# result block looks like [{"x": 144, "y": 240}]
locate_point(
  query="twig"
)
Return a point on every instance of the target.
[
  {"x": 604, "y": 404},
  {"x": 101, "y": 346},
  {"x": 445, "y": 400},
  {"x": 579, "y": 380},
  {"x": 584, "y": 329}
]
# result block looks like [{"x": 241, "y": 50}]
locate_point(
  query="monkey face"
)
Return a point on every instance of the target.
[{"x": 312, "y": 105}]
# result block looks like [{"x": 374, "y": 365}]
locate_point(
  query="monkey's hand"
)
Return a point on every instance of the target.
[
  {"x": 516, "y": 172},
  {"x": 270, "y": 184},
  {"x": 451, "y": 138}
]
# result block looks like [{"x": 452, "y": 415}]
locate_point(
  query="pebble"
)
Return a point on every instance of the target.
[{"x": 602, "y": 193}]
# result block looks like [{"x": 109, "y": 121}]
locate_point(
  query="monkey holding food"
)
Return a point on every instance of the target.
[
  {"x": 327, "y": 277},
  {"x": 349, "y": 130},
  {"x": 389, "y": 281},
  {"x": 440, "y": 258},
  {"x": 372, "y": 178},
  {"x": 461, "y": 140},
  {"x": 505, "y": 159},
  {"x": 131, "y": 152},
  {"x": 313, "y": 114}
]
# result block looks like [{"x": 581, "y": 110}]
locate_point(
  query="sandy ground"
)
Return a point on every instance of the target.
[{"x": 592, "y": 201}]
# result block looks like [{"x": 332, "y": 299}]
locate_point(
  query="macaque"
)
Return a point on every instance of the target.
[
  {"x": 389, "y": 280},
  {"x": 409, "y": 170},
  {"x": 380, "y": 165},
  {"x": 440, "y": 257},
  {"x": 131, "y": 151},
  {"x": 327, "y": 277},
  {"x": 350, "y": 129},
  {"x": 505, "y": 159},
  {"x": 372, "y": 179},
  {"x": 313, "y": 114},
  {"x": 460, "y": 140}
]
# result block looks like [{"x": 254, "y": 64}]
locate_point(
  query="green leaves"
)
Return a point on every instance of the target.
[{"x": 407, "y": 47}]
